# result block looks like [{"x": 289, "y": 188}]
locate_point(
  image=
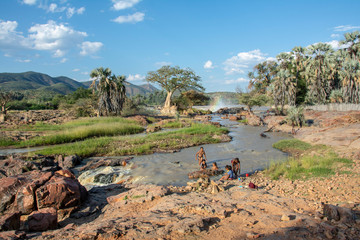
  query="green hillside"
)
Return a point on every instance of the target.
[{"x": 43, "y": 83}]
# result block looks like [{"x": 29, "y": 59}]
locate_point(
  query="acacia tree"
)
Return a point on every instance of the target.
[
  {"x": 5, "y": 98},
  {"x": 172, "y": 79},
  {"x": 111, "y": 90}
]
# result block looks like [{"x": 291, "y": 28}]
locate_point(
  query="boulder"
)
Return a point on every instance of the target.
[
  {"x": 140, "y": 119},
  {"x": 234, "y": 118},
  {"x": 253, "y": 120},
  {"x": 204, "y": 173},
  {"x": 15, "y": 165},
  {"x": 151, "y": 129},
  {"x": 43, "y": 220},
  {"x": 61, "y": 192},
  {"x": 105, "y": 162},
  {"x": 69, "y": 161},
  {"x": 203, "y": 118},
  {"x": 344, "y": 215},
  {"x": 17, "y": 192},
  {"x": 10, "y": 221}
]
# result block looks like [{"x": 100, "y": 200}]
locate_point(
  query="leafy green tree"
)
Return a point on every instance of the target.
[
  {"x": 251, "y": 99},
  {"x": 172, "y": 79},
  {"x": 262, "y": 76},
  {"x": 6, "y": 97},
  {"x": 111, "y": 91}
]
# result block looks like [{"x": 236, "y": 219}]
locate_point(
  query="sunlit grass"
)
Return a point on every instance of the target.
[
  {"x": 320, "y": 162},
  {"x": 78, "y": 130},
  {"x": 138, "y": 145}
]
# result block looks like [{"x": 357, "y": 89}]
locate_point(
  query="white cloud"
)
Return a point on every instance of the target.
[
  {"x": 90, "y": 48},
  {"x": 134, "y": 18},
  {"x": 58, "y": 39},
  {"x": 70, "y": 12},
  {"x": 243, "y": 61},
  {"x": 123, "y": 4},
  {"x": 63, "y": 60},
  {"x": 85, "y": 73},
  {"x": 29, "y": 2},
  {"x": 208, "y": 65},
  {"x": 160, "y": 64},
  {"x": 345, "y": 28},
  {"x": 136, "y": 77},
  {"x": 334, "y": 35},
  {"x": 76, "y": 70},
  {"x": 10, "y": 38},
  {"x": 58, "y": 53},
  {"x": 54, "y": 37},
  {"x": 239, "y": 80},
  {"x": 80, "y": 10},
  {"x": 23, "y": 60}
]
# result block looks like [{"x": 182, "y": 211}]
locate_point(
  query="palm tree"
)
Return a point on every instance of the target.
[
  {"x": 111, "y": 91},
  {"x": 319, "y": 71},
  {"x": 283, "y": 88},
  {"x": 349, "y": 72}
]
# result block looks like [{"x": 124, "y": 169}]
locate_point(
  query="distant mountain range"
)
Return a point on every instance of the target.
[{"x": 62, "y": 85}]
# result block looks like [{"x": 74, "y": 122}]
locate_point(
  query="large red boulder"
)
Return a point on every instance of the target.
[
  {"x": 10, "y": 221},
  {"x": 63, "y": 190},
  {"x": 17, "y": 192},
  {"x": 42, "y": 220}
]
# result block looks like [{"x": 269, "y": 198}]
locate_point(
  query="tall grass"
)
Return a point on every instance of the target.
[
  {"x": 137, "y": 145},
  {"x": 41, "y": 127},
  {"x": 86, "y": 148},
  {"x": 83, "y": 132}
]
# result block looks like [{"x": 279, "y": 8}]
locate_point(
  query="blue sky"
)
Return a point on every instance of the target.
[{"x": 220, "y": 40}]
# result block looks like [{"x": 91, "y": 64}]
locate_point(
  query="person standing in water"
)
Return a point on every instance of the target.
[
  {"x": 200, "y": 155},
  {"x": 235, "y": 163}
]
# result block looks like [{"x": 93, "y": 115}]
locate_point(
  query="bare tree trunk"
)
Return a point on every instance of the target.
[{"x": 168, "y": 100}]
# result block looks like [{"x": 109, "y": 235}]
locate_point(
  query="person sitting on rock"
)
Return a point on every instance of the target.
[
  {"x": 215, "y": 167},
  {"x": 203, "y": 165},
  {"x": 200, "y": 155},
  {"x": 229, "y": 175},
  {"x": 235, "y": 163}
]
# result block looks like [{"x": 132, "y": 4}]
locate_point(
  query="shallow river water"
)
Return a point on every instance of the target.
[{"x": 253, "y": 151}]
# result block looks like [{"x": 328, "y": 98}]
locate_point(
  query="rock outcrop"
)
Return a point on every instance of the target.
[{"x": 37, "y": 190}]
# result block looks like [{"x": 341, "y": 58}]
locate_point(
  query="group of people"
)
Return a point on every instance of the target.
[{"x": 232, "y": 171}]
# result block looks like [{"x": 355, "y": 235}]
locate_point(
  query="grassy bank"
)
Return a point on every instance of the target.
[
  {"x": 197, "y": 134},
  {"x": 310, "y": 161},
  {"x": 79, "y": 130}
]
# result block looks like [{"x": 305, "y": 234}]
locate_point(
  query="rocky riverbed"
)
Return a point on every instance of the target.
[{"x": 302, "y": 209}]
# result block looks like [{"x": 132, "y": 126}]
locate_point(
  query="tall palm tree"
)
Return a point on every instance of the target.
[
  {"x": 298, "y": 63},
  {"x": 319, "y": 71},
  {"x": 283, "y": 88},
  {"x": 111, "y": 91},
  {"x": 349, "y": 72}
]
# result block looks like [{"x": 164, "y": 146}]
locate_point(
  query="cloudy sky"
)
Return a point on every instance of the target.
[{"x": 220, "y": 40}]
